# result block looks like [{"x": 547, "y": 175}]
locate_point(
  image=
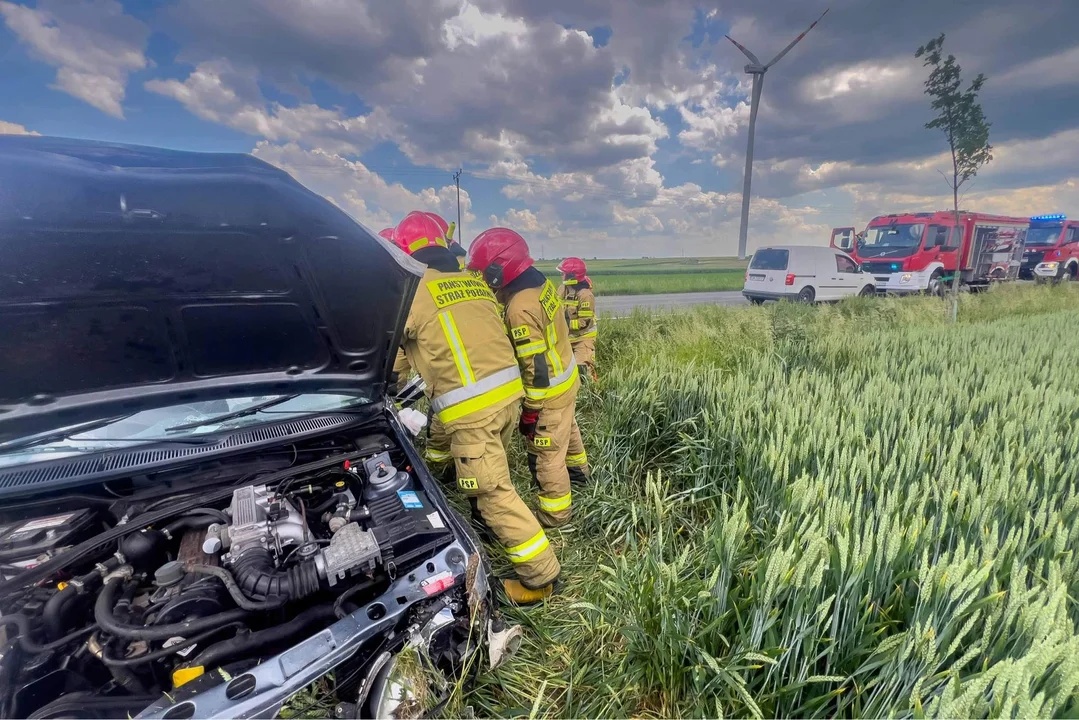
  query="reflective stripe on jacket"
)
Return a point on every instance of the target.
[
  {"x": 536, "y": 322},
  {"x": 580, "y": 304},
  {"x": 455, "y": 340}
]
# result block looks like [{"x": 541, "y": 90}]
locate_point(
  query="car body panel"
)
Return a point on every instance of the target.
[{"x": 136, "y": 277}]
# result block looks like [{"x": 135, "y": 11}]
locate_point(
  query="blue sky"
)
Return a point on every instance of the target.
[{"x": 595, "y": 127}]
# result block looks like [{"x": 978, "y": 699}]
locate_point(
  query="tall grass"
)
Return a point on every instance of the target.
[{"x": 854, "y": 510}]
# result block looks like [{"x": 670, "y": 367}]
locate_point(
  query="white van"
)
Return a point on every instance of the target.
[{"x": 805, "y": 273}]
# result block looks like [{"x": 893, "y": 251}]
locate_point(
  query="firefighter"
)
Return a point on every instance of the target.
[
  {"x": 537, "y": 325},
  {"x": 580, "y": 302},
  {"x": 455, "y": 340}
]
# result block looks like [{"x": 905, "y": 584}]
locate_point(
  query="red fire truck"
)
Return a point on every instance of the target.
[
  {"x": 1052, "y": 249},
  {"x": 921, "y": 252}
]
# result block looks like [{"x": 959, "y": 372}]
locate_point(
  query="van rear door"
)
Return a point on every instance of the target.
[{"x": 767, "y": 271}]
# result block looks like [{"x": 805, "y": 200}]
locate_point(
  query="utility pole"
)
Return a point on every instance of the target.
[
  {"x": 757, "y": 70},
  {"x": 457, "y": 182}
]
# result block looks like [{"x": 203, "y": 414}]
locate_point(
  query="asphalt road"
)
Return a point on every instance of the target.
[{"x": 619, "y": 305}]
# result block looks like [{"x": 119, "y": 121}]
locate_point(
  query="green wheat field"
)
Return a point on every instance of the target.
[
  {"x": 660, "y": 275},
  {"x": 855, "y": 510}
]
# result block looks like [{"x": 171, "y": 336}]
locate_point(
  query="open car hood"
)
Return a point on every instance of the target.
[{"x": 135, "y": 277}]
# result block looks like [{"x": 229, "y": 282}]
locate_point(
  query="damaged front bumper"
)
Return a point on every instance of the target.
[{"x": 265, "y": 688}]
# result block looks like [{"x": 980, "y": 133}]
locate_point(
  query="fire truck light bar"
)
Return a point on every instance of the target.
[{"x": 1048, "y": 218}]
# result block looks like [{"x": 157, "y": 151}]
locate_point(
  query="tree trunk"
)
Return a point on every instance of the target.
[{"x": 959, "y": 257}]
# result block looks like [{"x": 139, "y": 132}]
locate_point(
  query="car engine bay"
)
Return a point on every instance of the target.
[{"x": 107, "y": 608}]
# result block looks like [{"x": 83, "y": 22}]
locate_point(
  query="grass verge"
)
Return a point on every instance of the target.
[{"x": 850, "y": 510}]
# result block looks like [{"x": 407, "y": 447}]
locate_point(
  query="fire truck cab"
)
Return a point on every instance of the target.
[
  {"x": 922, "y": 252},
  {"x": 1052, "y": 249}
]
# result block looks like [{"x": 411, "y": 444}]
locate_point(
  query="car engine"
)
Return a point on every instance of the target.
[{"x": 106, "y": 608}]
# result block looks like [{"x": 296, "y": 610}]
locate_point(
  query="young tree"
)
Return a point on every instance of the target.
[{"x": 961, "y": 119}]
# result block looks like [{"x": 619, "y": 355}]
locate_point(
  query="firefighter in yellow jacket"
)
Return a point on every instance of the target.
[
  {"x": 580, "y": 303},
  {"x": 455, "y": 340},
  {"x": 537, "y": 326}
]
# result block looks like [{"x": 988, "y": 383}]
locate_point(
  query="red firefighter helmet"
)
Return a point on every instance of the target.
[
  {"x": 442, "y": 224},
  {"x": 386, "y": 234},
  {"x": 500, "y": 254},
  {"x": 416, "y": 232},
  {"x": 572, "y": 267}
]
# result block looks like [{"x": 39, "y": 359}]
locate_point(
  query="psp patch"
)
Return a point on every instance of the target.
[
  {"x": 409, "y": 499},
  {"x": 468, "y": 483},
  {"x": 542, "y": 442},
  {"x": 520, "y": 332}
]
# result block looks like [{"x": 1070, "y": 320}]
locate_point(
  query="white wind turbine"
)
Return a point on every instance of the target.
[{"x": 757, "y": 70}]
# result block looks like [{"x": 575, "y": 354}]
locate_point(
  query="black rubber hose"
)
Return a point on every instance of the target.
[
  {"x": 57, "y": 606},
  {"x": 28, "y": 644},
  {"x": 163, "y": 652},
  {"x": 237, "y": 594},
  {"x": 339, "y": 603},
  {"x": 259, "y": 579},
  {"x": 191, "y": 522},
  {"x": 246, "y": 645},
  {"x": 53, "y": 614},
  {"x": 106, "y": 599}
]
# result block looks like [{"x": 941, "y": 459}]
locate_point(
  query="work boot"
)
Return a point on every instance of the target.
[{"x": 519, "y": 594}]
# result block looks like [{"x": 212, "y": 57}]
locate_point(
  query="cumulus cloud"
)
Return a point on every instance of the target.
[
  {"x": 10, "y": 128},
  {"x": 93, "y": 45},
  {"x": 218, "y": 92},
  {"x": 357, "y": 190}
]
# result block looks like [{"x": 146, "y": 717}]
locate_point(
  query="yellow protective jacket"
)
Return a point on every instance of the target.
[
  {"x": 580, "y": 304},
  {"x": 455, "y": 340},
  {"x": 537, "y": 324}
]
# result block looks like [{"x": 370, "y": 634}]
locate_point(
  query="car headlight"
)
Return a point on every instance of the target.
[
  {"x": 906, "y": 278},
  {"x": 1050, "y": 265}
]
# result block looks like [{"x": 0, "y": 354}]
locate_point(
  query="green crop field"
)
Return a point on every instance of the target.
[
  {"x": 660, "y": 275},
  {"x": 858, "y": 510}
]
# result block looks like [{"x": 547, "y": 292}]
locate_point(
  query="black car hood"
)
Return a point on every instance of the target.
[{"x": 134, "y": 277}]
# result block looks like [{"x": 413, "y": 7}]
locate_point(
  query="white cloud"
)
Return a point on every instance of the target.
[
  {"x": 218, "y": 92},
  {"x": 871, "y": 78},
  {"x": 357, "y": 190},
  {"x": 92, "y": 43},
  {"x": 710, "y": 124},
  {"x": 10, "y": 128}
]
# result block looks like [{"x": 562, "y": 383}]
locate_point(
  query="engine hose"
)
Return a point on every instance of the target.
[
  {"x": 339, "y": 604},
  {"x": 103, "y": 613},
  {"x": 191, "y": 522},
  {"x": 59, "y": 604},
  {"x": 28, "y": 644},
  {"x": 237, "y": 594},
  {"x": 163, "y": 652},
  {"x": 258, "y": 579},
  {"x": 218, "y": 653}
]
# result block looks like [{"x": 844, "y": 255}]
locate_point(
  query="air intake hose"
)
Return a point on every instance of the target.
[{"x": 259, "y": 579}]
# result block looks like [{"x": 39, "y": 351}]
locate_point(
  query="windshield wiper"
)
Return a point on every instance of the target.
[
  {"x": 62, "y": 434},
  {"x": 232, "y": 415}
]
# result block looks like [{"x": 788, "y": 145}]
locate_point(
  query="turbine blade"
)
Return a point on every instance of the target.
[
  {"x": 747, "y": 53},
  {"x": 787, "y": 49}
]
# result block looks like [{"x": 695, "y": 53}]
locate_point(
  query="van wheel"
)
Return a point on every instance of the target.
[
  {"x": 867, "y": 291},
  {"x": 807, "y": 295},
  {"x": 936, "y": 285}
]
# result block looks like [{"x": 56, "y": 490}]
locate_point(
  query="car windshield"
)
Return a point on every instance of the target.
[
  {"x": 895, "y": 240},
  {"x": 189, "y": 422},
  {"x": 769, "y": 259},
  {"x": 1043, "y": 236}
]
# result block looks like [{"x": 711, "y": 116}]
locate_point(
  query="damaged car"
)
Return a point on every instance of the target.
[{"x": 207, "y": 498}]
